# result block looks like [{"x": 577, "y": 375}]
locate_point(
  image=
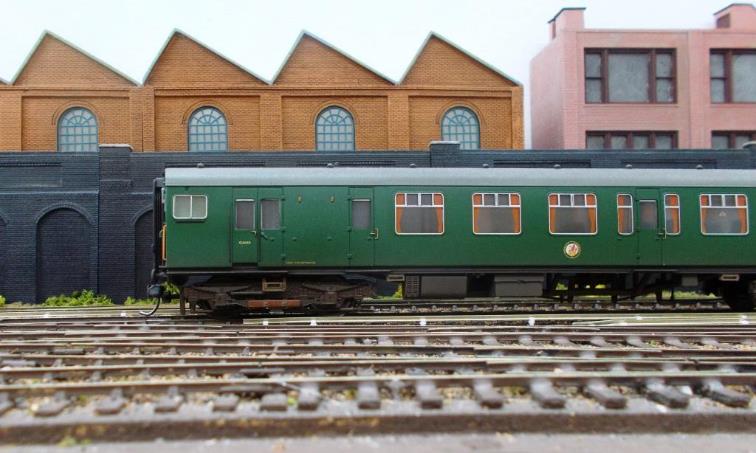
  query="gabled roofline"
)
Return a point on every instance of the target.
[
  {"x": 441, "y": 38},
  {"x": 734, "y": 4},
  {"x": 46, "y": 33},
  {"x": 177, "y": 31},
  {"x": 305, "y": 33}
]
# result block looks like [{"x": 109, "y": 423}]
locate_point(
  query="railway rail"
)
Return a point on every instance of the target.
[
  {"x": 127, "y": 377},
  {"x": 371, "y": 307}
]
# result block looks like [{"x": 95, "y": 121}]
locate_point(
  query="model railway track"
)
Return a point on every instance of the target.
[
  {"x": 589, "y": 305},
  {"x": 371, "y": 307},
  {"x": 132, "y": 378}
]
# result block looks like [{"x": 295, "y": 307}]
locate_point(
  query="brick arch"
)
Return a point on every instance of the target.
[
  {"x": 66, "y": 251},
  {"x": 207, "y": 103},
  {"x": 65, "y": 205},
  {"x": 63, "y": 108},
  {"x": 450, "y": 105},
  {"x": 344, "y": 105}
]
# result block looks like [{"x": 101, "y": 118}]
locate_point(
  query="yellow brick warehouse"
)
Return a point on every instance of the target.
[{"x": 261, "y": 115}]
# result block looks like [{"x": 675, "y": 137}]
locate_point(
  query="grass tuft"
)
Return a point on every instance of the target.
[{"x": 85, "y": 298}]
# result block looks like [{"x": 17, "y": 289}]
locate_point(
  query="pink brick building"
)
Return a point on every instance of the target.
[{"x": 594, "y": 88}]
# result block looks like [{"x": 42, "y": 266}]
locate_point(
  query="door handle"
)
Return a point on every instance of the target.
[
  {"x": 374, "y": 233},
  {"x": 264, "y": 236}
]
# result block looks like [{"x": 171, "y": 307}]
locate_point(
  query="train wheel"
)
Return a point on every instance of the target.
[{"x": 739, "y": 297}]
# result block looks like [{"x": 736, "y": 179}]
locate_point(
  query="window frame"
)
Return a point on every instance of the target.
[
  {"x": 629, "y": 135},
  {"x": 349, "y": 116},
  {"x": 473, "y": 114},
  {"x": 731, "y": 137},
  {"x": 701, "y": 207},
  {"x": 631, "y": 208},
  {"x": 727, "y": 55},
  {"x": 496, "y": 205},
  {"x": 371, "y": 222},
  {"x": 432, "y": 206},
  {"x": 679, "y": 213},
  {"x": 254, "y": 214},
  {"x": 191, "y": 207},
  {"x": 572, "y": 198},
  {"x": 604, "y": 54},
  {"x": 189, "y": 134},
  {"x": 59, "y": 135}
]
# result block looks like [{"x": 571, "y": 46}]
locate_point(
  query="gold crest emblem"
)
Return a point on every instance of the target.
[{"x": 572, "y": 249}]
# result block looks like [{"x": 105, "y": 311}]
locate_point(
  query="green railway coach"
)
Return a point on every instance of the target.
[{"x": 294, "y": 237}]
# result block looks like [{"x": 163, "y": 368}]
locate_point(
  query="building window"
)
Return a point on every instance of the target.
[
  {"x": 733, "y": 75},
  {"x": 419, "y": 213},
  {"x": 625, "y": 214},
  {"x": 77, "y": 131},
  {"x": 496, "y": 213},
  {"x": 208, "y": 130},
  {"x": 461, "y": 125},
  {"x": 672, "y": 214},
  {"x": 724, "y": 214},
  {"x": 630, "y": 76},
  {"x": 572, "y": 213},
  {"x": 334, "y": 130},
  {"x": 731, "y": 139},
  {"x": 189, "y": 207},
  {"x": 630, "y": 140}
]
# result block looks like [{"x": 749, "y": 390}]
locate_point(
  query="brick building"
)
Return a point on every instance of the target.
[
  {"x": 193, "y": 98},
  {"x": 597, "y": 88}
]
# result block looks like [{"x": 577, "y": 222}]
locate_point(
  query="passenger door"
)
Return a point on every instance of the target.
[
  {"x": 650, "y": 226},
  {"x": 244, "y": 248},
  {"x": 271, "y": 227},
  {"x": 362, "y": 231}
]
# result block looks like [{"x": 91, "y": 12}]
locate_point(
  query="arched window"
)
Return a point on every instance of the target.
[
  {"x": 77, "y": 131},
  {"x": 208, "y": 130},
  {"x": 334, "y": 130},
  {"x": 461, "y": 125}
]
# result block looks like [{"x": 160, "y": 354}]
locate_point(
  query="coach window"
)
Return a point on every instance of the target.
[
  {"x": 419, "y": 213},
  {"x": 672, "y": 213},
  {"x": 361, "y": 211},
  {"x": 724, "y": 214},
  {"x": 245, "y": 215},
  {"x": 270, "y": 214},
  {"x": 572, "y": 213},
  {"x": 648, "y": 215},
  {"x": 460, "y": 124},
  {"x": 208, "y": 130},
  {"x": 496, "y": 213},
  {"x": 77, "y": 131},
  {"x": 625, "y": 214},
  {"x": 189, "y": 207}
]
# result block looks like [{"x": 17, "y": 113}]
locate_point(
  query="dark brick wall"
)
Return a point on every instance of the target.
[{"x": 76, "y": 221}]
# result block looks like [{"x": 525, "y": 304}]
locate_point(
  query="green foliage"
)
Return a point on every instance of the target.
[
  {"x": 84, "y": 298},
  {"x": 132, "y": 301},
  {"x": 2, "y": 301},
  {"x": 171, "y": 289}
]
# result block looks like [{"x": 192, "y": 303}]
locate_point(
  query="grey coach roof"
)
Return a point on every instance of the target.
[{"x": 597, "y": 177}]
